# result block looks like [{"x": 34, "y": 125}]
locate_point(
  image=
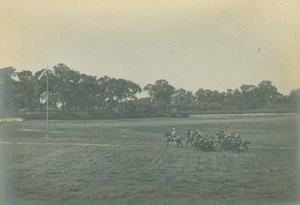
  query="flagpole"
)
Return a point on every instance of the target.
[
  {"x": 47, "y": 106},
  {"x": 46, "y": 72}
]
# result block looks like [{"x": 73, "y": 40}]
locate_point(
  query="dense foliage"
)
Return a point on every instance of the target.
[{"x": 72, "y": 91}]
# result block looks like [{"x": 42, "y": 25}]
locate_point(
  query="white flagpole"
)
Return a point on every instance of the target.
[
  {"x": 46, "y": 72},
  {"x": 47, "y": 106}
]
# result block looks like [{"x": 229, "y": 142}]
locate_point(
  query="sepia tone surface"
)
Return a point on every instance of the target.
[{"x": 192, "y": 44}]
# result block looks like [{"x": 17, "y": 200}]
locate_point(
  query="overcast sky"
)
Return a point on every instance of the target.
[{"x": 192, "y": 44}]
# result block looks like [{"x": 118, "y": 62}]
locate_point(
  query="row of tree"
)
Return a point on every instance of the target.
[
  {"x": 72, "y": 91},
  {"x": 265, "y": 96}
]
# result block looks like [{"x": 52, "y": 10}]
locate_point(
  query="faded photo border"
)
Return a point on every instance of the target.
[{"x": 211, "y": 44}]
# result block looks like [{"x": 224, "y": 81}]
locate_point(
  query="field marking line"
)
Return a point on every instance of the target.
[
  {"x": 36, "y": 130},
  {"x": 69, "y": 143}
]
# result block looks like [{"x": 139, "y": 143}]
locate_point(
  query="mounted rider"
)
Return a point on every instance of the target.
[{"x": 173, "y": 133}]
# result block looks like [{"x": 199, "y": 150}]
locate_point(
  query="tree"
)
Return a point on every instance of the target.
[
  {"x": 25, "y": 98},
  {"x": 267, "y": 93},
  {"x": 121, "y": 92},
  {"x": 182, "y": 99},
  {"x": 73, "y": 91},
  {"x": 249, "y": 95},
  {"x": 130, "y": 94},
  {"x": 86, "y": 93},
  {"x": 161, "y": 93},
  {"x": 283, "y": 101},
  {"x": 228, "y": 103},
  {"x": 200, "y": 95},
  {"x": 7, "y": 91},
  {"x": 217, "y": 100},
  {"x": 237, "y": 99},
  {"x": 102, "y": 92},
  {"x": 210, "y": 100},
  {"x": 40, "y": 90},
  {"x": 67, "y": 86},
  {"x": 295, "y": 99},
  {"x": 144, "y": 105}
]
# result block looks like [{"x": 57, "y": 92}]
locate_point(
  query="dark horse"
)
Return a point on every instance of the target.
[
  {"x": 245, "y": 144},
  {"x": 172, "y": 139}
]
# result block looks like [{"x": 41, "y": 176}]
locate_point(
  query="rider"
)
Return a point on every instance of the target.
[
  {"x": 173, "y": 134},
  {"x": 188, "y": 133}
]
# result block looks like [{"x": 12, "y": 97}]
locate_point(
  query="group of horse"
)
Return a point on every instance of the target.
[{"x": 198, "y": 139}]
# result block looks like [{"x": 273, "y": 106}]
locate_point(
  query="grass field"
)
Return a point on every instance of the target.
[{"x": 125, "y": 162}]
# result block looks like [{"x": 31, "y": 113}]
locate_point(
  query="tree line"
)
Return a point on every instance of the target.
[{"x": 72, "y": 91}]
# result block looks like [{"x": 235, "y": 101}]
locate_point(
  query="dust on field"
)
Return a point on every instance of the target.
[{"x": 138, "y": 169}]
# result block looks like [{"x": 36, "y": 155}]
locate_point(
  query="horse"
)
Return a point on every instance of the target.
[
  {"x": 189, "y": 138},
  {"x": 245, "y": 144},
  {"x": 172, "y": 139}
]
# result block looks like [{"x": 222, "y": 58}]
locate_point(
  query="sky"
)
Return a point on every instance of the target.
[{"x": 190, "y": 43}]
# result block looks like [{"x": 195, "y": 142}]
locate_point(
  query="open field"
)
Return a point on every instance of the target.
[{"x": 125, "y": 162}]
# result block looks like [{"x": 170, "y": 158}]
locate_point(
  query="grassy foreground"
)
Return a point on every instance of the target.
[{"x": 125, "y": 162}]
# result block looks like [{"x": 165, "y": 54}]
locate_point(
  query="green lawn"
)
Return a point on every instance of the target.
[{"x": 125, "y": 162}]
